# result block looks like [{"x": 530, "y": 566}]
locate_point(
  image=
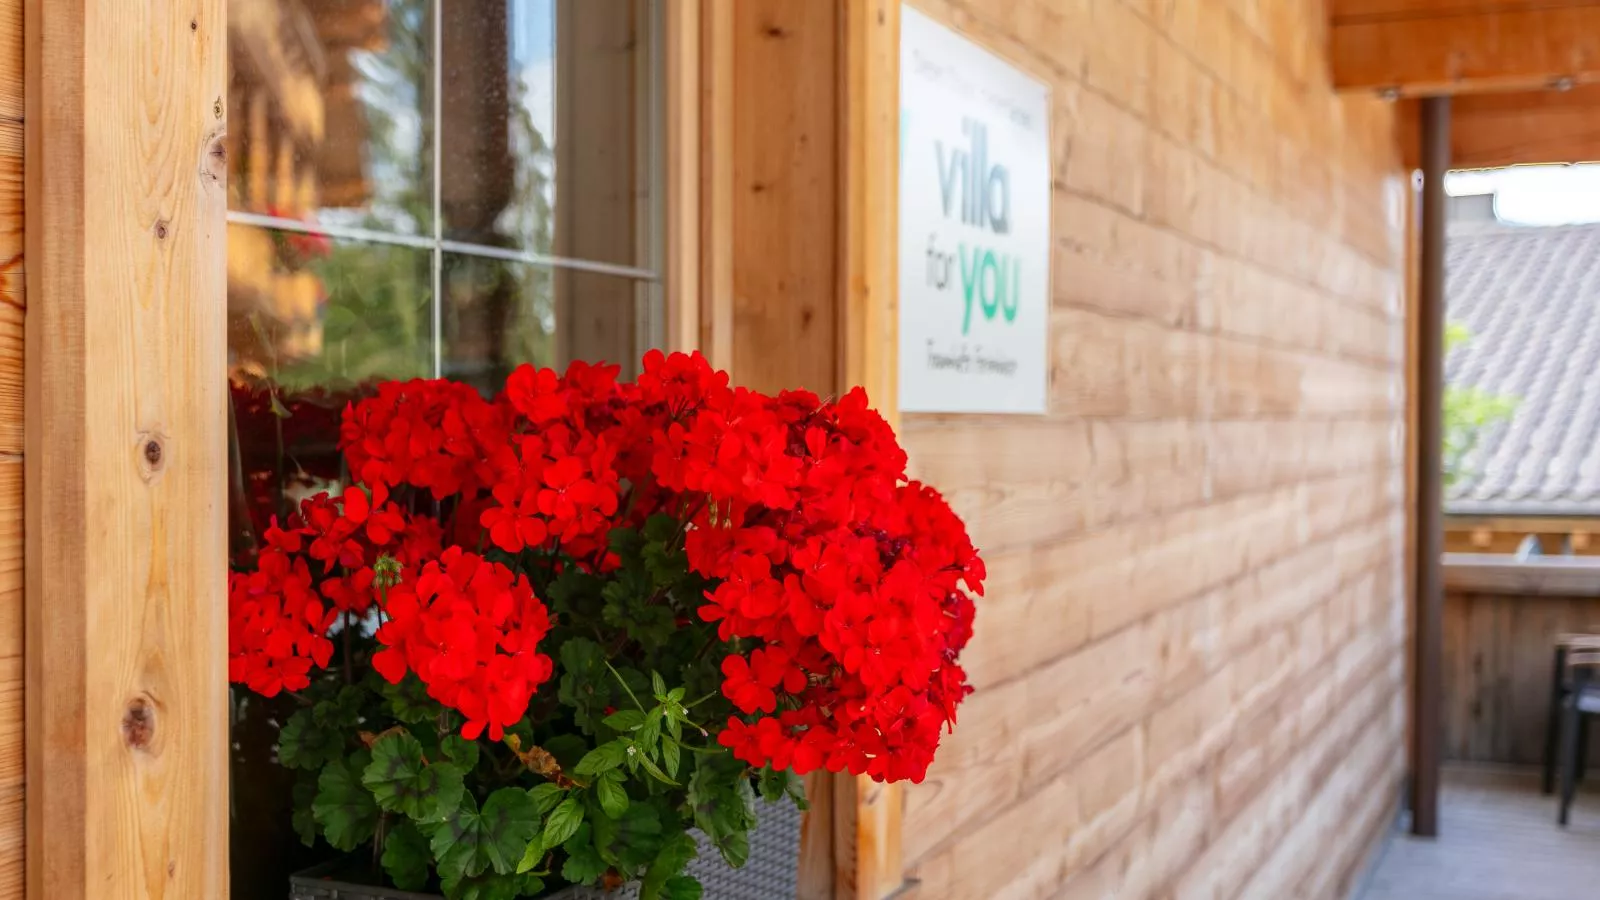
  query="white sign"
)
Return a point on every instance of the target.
[{"x": 974, "y": 227}]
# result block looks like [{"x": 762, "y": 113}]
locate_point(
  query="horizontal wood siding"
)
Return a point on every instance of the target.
[
  {"x": 1190, "y": 664},
  {"x": 1497, "y": 661},
  {"x": 11, "y": 311}
]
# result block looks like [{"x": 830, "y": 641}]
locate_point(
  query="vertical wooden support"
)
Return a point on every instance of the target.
[
  {"x": 867, "y": 851},
  {"x": 716, "y": 173},
  {"x": 683, "y": 187},
  {"x": 1430, "y": 485},
  {"x": 125, "y": 510}
]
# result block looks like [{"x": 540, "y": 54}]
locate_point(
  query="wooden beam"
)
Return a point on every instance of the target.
[
  {"x": 126, "y": 554},
  {"x": 716, "y": 178},
  {"x": 867, "y": 815},
  {"x": 1517, "y": 128},
  {"x": 1344, "y": 12},
  {"x": 1538, "y": 576},
  {"x": 1520, "y": 524},
  {"x": 1460, "y": 47},
  {"x": 683, "y": 139}
]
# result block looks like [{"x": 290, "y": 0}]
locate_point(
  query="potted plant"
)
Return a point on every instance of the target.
[{"x": 550, "y": 638}]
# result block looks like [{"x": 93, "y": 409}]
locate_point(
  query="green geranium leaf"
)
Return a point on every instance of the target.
[
  {"x": 401, "y": 782},
  {"x": 682, "y": 887},
  {"x": 304, "y": 821},
  {"x": 613, "y": 799},
  {"x": 471, "y": 841},
  {"x": 584, "y": 864},
  {"x": 675, "y": 854},
  {"x": 603, "y": 758},
  {"x": 771, "y": 783},
  {"x": 585, "y": 683},
  {"x": 344, "y": 807},
  {"x": 461, "y": 751},
  {"x": 409, "y": 701},
  {"x": 406, "y": 857},
  {"x": 724, "y": 806},
  {"x": 625, "y": 720},
  {"x": 546, "y": 796},
  {"x": 304, "y": 743},
  {"x": 637, "y": 838},
  {"x": 563, "y": 822},
  {"x": 661, "y": 528},
  {"x": 775, "y": 785}
]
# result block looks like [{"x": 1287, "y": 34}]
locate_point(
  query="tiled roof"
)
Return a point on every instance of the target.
[{"x": 1531, "y": 299}]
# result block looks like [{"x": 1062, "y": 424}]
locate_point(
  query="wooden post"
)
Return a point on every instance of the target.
[
  {"x": 125, "y": 510},
  {"x": 1430, "y": 492},
  {"x": 867, "y": 815}
]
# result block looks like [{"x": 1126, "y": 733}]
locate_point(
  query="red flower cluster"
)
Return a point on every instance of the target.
[
  {"x": 470, "y": 629},
  {"x": 309, "y": 576},
  {"x": 276, "y": 625},
  {"x": 853, "y": 579},
  {"x": 845, "y": 586},
  {"x": 436, "y": 435}
]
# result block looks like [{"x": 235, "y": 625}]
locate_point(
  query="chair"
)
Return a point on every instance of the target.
[
  {"x": 1582, "y": 700},
  {"x": 1560, "y": 685}
]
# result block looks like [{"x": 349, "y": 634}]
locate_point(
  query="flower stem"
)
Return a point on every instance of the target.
[{"x": 625, "y": 686}]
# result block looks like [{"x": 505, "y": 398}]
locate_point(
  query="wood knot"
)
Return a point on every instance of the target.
[
  {"x": 216, "y": 109},
  {"x": 139, "y": 723},
  {"x": 214, "y": 153},
  {"x": 160, "y": 229},
  {"x": 194, "y": 24},
  {"x": 152, "y": 450},
  {"x": 775, "y": 31}
]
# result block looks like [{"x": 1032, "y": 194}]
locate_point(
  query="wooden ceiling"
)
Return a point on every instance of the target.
[{"x": 1526, "y": 73}]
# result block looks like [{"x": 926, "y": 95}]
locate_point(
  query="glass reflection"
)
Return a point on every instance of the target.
[
  {"x": 499, "y": 314},
  {"x": 330, "y": 112},
  {"x": 546, "y": 118}
]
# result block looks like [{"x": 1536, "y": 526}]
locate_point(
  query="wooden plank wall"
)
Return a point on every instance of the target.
[
  {"x": 1190, "y": 664},
  {"x": 1497, "y": 659},
  {"x": 11, "y": 310}
]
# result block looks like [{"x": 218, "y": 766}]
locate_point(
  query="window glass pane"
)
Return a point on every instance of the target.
[
  {"x": 499, "y": 314},
  {"x": 307, "y": 310},
  {"x": 546, "y": 118},
  {"x": 330, "y": 111}
]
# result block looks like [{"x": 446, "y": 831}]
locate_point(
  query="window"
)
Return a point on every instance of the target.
[
  {"x": 441, "y": 187},
  {"x": 419, "y": 188}
]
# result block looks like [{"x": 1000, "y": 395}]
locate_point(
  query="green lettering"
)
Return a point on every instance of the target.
[
  {"x": 989, "y": 288},
  {"x": 1011, "y": 299},
  {"x": 969, "y": 281}
]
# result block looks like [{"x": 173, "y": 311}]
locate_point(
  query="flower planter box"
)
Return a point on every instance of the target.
[{"x": 771, "y": 873}]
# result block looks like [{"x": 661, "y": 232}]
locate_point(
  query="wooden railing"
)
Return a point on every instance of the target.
[{"x": 1501, "y": 618}]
